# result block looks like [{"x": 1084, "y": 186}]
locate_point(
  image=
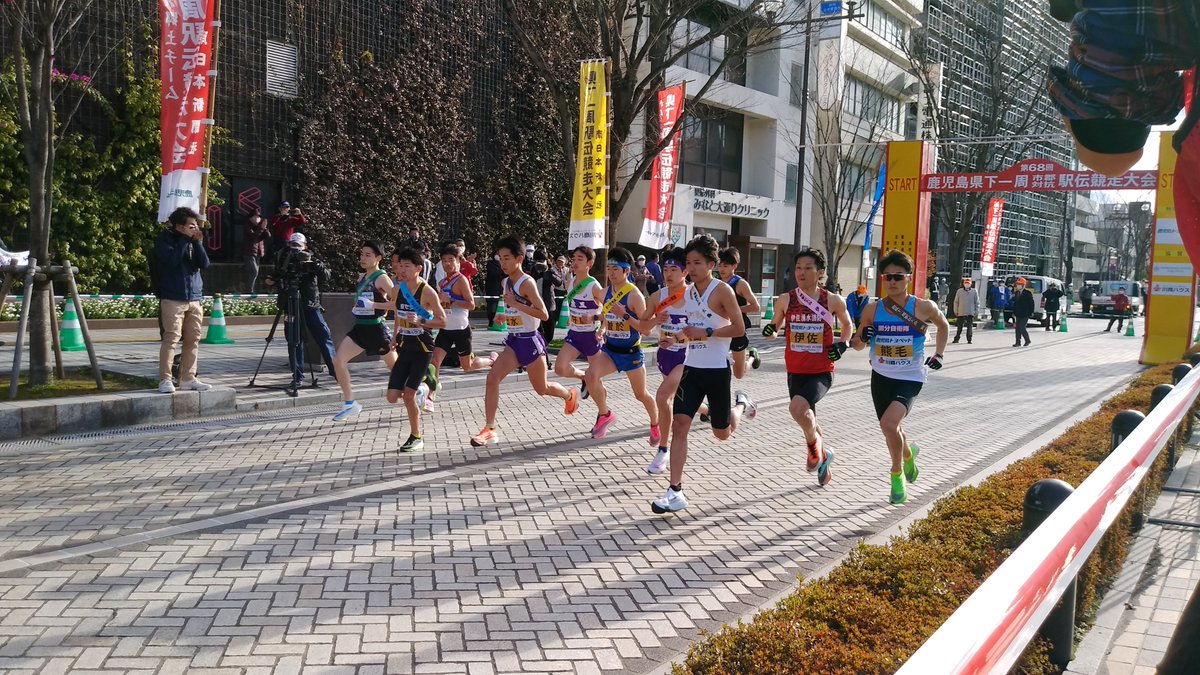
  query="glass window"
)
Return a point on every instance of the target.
[
  {"x": 790, "y": 183},
  {"x": 710, "y": 152},
  {"x": 873, "y": 105},
  {"x": 878, "y": 21},
  {"x": 707, "y": 58},
  {"x": 796, "y": 86}
]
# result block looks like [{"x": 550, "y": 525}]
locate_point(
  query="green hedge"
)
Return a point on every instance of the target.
[
  {"x": 147, "y": 308},
  {"x": 879, "y": 605}
]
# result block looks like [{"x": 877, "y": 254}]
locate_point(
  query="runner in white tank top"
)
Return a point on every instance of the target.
[
  {"x": 713, "y": 321},
  {"x": 457, "y": 300}
]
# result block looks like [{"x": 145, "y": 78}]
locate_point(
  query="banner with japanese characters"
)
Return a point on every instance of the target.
[
  {"x": 1171, "y": 301},
  {"x": 1038, "y": 175},
  {"x": 184, "y": 67},
  {"x": 656, "y": 225},
  {"x": 991, "y": 237},
  {"x": 589, "y": 201}
]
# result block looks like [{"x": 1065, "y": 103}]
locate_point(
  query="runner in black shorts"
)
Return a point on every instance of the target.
[
  {"x": 457, "y": 299},
  {"x": 417, "y": 312},
  {"x": 369, "y": 333},
  {"x": 739, "y": 347}
]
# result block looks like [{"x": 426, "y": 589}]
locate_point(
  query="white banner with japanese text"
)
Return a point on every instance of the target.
[{"x": 184, "y": 67}]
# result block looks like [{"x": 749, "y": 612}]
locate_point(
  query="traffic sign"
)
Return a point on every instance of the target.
[{"x": 828, "y": 8}]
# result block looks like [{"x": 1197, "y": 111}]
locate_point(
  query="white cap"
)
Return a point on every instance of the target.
[{"x": 297, "y": 240}]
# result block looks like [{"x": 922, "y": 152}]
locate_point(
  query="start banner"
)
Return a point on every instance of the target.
[
  {"x": 589, "y": 201},
  {"x": 184, "y": 66},
  {"x": 1037, "y": 175},
  {"x": 991, "y": 237},
  {"x": 656, "y": 225}
]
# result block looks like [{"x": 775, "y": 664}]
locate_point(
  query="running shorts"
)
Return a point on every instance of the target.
[
  {"x": 454, "y": 342},
  {"x": 699, "y": 384},
  {"x": 412, "y": 362},
  {"x": 886, "y": 390},
  {"x": 584, "y": 342},
  {"x": 528, "y": 347},
  {"x": 812, "y": 387},
  {"x": 374, "y": 338},
  {"x": 669, "y": 360},
  {"x": 625, "y": 362},
  {"x": 739, "y": 344}
]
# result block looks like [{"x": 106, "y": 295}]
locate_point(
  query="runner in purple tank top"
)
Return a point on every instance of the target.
[{"x": 585, "y": 295}]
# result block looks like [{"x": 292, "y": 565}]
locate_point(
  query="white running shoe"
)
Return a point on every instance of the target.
[
  {"x": 422, "y": 395},
  {"x": 348, "y": 410},
  {"x": 194, "y": 385},
  {"x": 166, "y": 386},
  {"x": 659, "y": 462},
  {"x": 751, "y": 410},
  {"x": 669, "y": 503}
]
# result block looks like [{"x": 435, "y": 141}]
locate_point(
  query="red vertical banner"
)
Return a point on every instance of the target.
[
  {"x": 185, "y": 58},
  {"x": 991, "y": 237},
  {"x": 656, "y": 225}
]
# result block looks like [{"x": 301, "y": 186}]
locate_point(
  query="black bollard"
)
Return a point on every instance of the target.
[
  {"x": 1159, "y": 392},
  {"x": 1179, "y": 372},
  {"x": 1123, "y": 424},
  {"x": 1194, "y": 359},
  {"x": 1059, "y": 627}
]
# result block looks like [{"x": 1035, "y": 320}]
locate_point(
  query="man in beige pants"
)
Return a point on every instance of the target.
[{"x": 178, "y": 257}]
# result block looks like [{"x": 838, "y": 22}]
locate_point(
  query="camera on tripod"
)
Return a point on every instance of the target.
[{"x": 297, "y": 263}]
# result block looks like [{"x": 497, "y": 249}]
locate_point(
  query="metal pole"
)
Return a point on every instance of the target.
[
  {"x": 1059, "y": 627},
  {"x": 798, "y": 232},
  {"x": 208, "y": 131},
  {"x": 22, "y": 325}
]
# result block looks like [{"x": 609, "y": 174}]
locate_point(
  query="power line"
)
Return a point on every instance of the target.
[{"x": 977, "y": 140}]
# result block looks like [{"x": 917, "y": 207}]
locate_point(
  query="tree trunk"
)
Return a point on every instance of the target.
[{"x": 41, "y": 205}]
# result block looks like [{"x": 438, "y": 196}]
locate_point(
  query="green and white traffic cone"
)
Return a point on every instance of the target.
[
  {"x": 1062, "y": 324},
  {"x": 563, "y": 315},
  {"x": 216, "y": 324},
  {"x": 70, "y": 337},
  {"x": 500, "y": 326},
  {"x": 1129, "y": 328},
  {"x": 999, "y": 321}
]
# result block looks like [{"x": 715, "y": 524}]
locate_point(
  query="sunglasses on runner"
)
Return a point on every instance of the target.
[{"x": 895, "y": 277}]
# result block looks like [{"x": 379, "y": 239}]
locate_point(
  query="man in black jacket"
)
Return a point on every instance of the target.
[
  {"x": 1022, "y": 309},
  {"x": 176, "y": 262},
  {"x": 492, "y": 286},
  {"x": 298, "y": 273}
]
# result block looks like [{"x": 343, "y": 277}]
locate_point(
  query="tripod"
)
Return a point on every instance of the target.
[{"x": 295, "y": 343}]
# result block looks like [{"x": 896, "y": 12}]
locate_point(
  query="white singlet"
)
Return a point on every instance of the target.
[
  {"x": 705, "y": 352},
  {"x": 518, "y": 321}
]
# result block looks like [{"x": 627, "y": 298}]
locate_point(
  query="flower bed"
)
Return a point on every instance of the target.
[
  {"x": 878, "y": 606},
  {"x": 147, "y": 308}
]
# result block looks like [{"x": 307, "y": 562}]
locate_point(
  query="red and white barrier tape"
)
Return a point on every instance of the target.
[{"x": 991, "y": 629}]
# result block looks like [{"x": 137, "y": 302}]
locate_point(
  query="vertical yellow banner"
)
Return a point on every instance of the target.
[
  {"x": 1172, "y": 289},
  {"x": 906, "y": 208},
  {"x": 589, "y": 201}
]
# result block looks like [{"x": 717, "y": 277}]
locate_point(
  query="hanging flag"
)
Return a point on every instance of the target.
[
  {"x": 184, "y": 68},
  {"x": 656, "y": 225},
  {"x": 991, "y": 237},
  {"x": 879, "y": 183},
  {"x": 589, "y": 202}
]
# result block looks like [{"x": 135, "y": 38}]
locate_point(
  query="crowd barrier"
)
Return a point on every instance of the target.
[{"x": 988, "y": 633}]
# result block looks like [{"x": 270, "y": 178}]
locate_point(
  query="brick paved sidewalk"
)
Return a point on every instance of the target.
[{"x": 537, "y": 556}]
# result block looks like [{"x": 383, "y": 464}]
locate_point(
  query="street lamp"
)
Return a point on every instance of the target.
[{"x": 798, "y": 232}]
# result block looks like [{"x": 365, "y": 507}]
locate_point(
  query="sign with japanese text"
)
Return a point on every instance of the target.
[
  {"x": 1171, "y": 300},
  {"x": 991, "y": 237},
  {"x": 589, "y": 201},
  {"x": 184, "y": 68},
  {"x": 906, "y": 207},
  {"x": 723, "y": 202},
  {"x": 1037, "y": 175},
  {"x": 656, "y": 224}
]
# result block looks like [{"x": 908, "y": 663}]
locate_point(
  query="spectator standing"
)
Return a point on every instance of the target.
[
  {"x": 284, "y": 224},
  {"x": 466, "y": 261},
  {"x": 253, "y": 247},
  {"x": 641, "y": 275},
  {"x": 492, "y": 285},
  {"x": 856, "y": 301},
  {"x": 966, "y": 308},
  {"x": 178, "y": 257},
  {"x": 1085, "y": 297},
  {"x": 656, "y": 282},
  {"x": 1052, "y": 303},
  {"x": 1120, "y": 308},
  {"x": 560, "y": 291},
  {"x": 1022, "y": 309},
  {"x": 549, "y": 278}
]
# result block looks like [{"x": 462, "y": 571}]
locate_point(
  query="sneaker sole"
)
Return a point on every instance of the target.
[
  {"x": 490, "y": 441},
  {"x": 412, "y": 450},
  {"x": 660, "y": 510},
  {"x": 824, "y": 472}
]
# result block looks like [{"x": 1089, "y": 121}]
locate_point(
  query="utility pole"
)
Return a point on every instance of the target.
[{"x": 808, "y": 29}]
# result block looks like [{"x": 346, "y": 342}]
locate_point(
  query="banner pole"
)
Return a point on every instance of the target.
[
  {"x": 608, "y": 166},
  {"x": 212, "y": 101}
]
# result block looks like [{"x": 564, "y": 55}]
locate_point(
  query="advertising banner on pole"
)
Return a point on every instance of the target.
[
  {"x": 656, "y": 225},
  {"x": 991, "y": 237},
  {"x": 184, "y": 68},
  {"x": 589, "y": 201},
  {"x": 1171, "y": 301}
]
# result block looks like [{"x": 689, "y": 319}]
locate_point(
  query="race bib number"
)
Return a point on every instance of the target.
[
  {"x": 359, "y": 310},
  {"x": 585, "y": 322},
  {"x": 894, "y": 350},
  {"x": 674, "y": 333},
  {"x": 806, "y": 337},
  {"x": 514, "y": 320},
  {"x": 617, "y": 329},
  {"x": 406, "y": 327}
]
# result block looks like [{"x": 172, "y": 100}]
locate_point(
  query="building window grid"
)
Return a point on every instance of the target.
[
  {"x": 891, "y": 29},
  {"x": 873, "y": 105},
  {"x": 707, "y": 58}
]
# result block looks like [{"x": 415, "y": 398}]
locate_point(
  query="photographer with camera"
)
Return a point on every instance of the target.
[
  {"x": 175, "y": 266},
  {"x": 298, "y": 276},
  {"x": 283, "y": 225}
]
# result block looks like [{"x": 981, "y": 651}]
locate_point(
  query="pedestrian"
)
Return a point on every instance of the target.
[
  {"x": 893, "y": 327},
  {"x": 1010, "y": 297},
  {"x": 656, "y": 272},
  {"x": 1120, "y": 303},
  {"x": 713, "y": 322},
  {"x": 966, "y": 307},
  {"x": 730, "y": 258},
  {"x": 493, "y": 276},
  {"x": 297, "y": 271},
  {"x": 414, "y": 239},
  {"x": 622, "y": 348},
  {"x": 561, "y": 272},
  {"x": 418, "y": 311},
  {"x": 524, "y": 347},
  {"x": 1052, "y": 303},
  {"x": 1085, "y": 297},
  {"x": 253, "y": 247},
  {"x": 641, "y": 276},
  {"x": 807, "y": 315},
  {"x": 1022, "y": 309},
  {"x": 583, "y": 302},
  {"x": 178, "y": 257},
  {"x": 466, "y": 261},
  {"x": 670, "y": 314},
  {"x": 457, "y": 300},
  {"x": 284, "y": 224},
  {"x": 373, "y": 294},
  {"x": 548, "y": 279},
  {"x": 856, "y": 301}
]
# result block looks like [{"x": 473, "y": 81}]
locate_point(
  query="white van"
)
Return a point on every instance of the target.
[
  {"x": 1102, "y": 301},
  {"x": 1038, "y": 285}
]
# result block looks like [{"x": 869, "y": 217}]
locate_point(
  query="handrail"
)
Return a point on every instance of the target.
[{"x": 990, "y": 630}]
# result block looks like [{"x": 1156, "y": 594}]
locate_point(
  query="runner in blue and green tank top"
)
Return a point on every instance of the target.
[
  {"x": 894, "y": 328},
  {"x": 369, "y": 332}
]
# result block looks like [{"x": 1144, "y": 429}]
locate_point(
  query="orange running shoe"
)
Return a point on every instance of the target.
[
  {"x": 572, "y": 402},
  {"x": 488, "y": 435},
  {"x": 815, "y": 454}
]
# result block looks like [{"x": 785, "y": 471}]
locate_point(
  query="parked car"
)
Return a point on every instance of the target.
[
  {"x": 1037, "y": 285},
  {"x": 1102, "y": 302}
]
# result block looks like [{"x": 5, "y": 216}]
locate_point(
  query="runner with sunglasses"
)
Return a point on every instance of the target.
[
  {"x": 894, "y": 327},
  {"x": 807, "y": 315}
]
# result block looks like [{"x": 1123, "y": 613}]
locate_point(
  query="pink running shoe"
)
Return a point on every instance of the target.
[
  {"x": 655, "y": 435},
  {"x": 602, "y": 423}
]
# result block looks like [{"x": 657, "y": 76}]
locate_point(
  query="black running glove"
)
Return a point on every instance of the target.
[
  {"x": 934, "y": 362},
  {"x": 836, "y": 350},
  {"x": 868, "y": 333},
  {"x": 769, "y": 330}
]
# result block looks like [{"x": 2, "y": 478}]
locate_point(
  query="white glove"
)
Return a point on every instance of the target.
[{"x": 366, "y": 304}]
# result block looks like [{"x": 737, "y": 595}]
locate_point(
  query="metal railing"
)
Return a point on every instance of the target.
[{"x": 988, "y": 633}]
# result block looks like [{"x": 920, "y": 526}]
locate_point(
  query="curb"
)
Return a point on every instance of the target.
[{"x": 78, "y": 414}]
